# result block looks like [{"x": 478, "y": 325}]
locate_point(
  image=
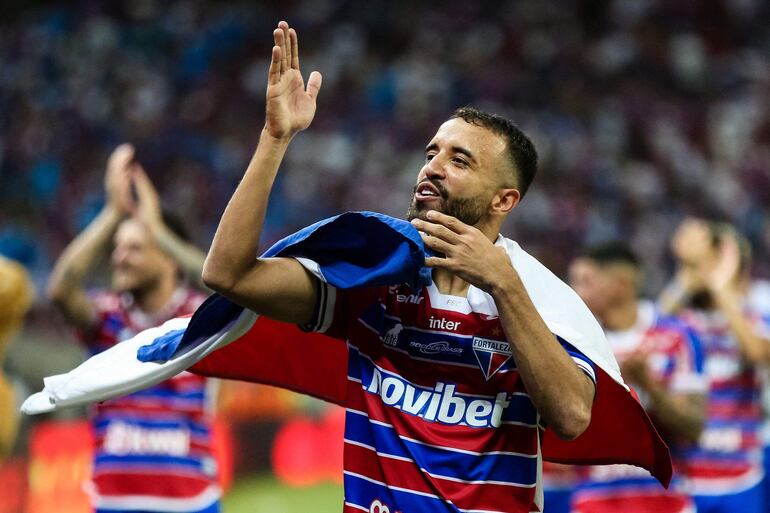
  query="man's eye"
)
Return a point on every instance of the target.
[
  {"x": 459, "y": 161},
  {"x": 429, "y": 156}
]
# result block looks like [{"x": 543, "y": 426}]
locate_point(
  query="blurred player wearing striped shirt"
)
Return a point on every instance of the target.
[
  {"x": 661, "y": 358},
  {"x": 725, "y": 470},
  {"x": 153, "y": 447}
]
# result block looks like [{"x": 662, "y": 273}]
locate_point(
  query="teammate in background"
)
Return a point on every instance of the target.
[
  {"x": 16, "y": 294},
  {"x": 660, "y": 357},
  {"x": 725, "y": 470},
  {"x": 153, "y": 448},
  {"x": 758, "y": 301},
  {"x": 436, "y": 407}
]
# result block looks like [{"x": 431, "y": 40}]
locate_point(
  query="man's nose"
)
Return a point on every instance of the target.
[
  {"x": 118, "y": 256},
  {"x": 434, "y": 168}
]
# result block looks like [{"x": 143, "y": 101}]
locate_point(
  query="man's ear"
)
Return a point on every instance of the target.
[{"x": 505, "y": 200}]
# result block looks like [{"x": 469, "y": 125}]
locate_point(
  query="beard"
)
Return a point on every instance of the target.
[
  {"x": 467, "y": 210},
  {"x": 134, "y": 283}
]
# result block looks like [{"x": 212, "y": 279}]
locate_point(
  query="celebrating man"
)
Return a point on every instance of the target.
[{"x": 447, "y": 385}]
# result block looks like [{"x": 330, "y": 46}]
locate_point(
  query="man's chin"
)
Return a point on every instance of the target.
[
  {"x": 125, "y": 284},
  {"x": 420, "y": 211}
]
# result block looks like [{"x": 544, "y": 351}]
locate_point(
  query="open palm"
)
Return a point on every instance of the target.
[{"x": 290, "y": 106}]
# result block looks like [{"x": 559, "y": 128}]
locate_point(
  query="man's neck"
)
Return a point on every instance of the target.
[
  {"x": 622, "y": 316},
  {"x": 152, "y": 300},
  {"x": 449, "y": 283}
]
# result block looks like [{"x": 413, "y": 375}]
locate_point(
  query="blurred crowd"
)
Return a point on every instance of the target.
[{"x": 643, "y": 111}]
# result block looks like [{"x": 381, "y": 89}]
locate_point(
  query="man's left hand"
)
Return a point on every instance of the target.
[{"x": 468, "y": 253}]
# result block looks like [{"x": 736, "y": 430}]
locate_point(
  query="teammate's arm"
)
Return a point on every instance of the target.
[
  {"x": 680, "y": 414},
  {"x": 148, "y": 211},
  {"x": 562, "y": 393},
  {"x": 65, "y": 286},
  {"x": 276, "y": 287},
  {"x": 723, "y": 285}
]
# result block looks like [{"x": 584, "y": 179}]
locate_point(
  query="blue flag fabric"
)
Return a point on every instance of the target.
[{"x": 353, "y": 249}]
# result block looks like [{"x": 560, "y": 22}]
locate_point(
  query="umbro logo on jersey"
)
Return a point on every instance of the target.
[
  {"x": 391, "y": 336},
  {"x": 491, "y": 354}
]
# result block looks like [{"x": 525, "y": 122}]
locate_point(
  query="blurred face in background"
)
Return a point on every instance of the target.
[
  {"x": 601, "y": 287},
  {"x": 460, "y": 176},
  {"x": 138, "y": 263}
]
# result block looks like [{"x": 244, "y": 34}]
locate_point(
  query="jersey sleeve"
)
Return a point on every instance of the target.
[
  {"x": 687, "y": 376},
  {"x": 327, "y": 308},
  {"x": 336, "y": 309},
  {"x": 582, "y": 361}
]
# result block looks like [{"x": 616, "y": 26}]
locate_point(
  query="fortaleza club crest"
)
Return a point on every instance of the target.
[{"x": 491, "y": 354}]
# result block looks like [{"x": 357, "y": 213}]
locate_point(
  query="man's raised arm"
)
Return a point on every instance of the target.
[{"x": 277, "y": 287}]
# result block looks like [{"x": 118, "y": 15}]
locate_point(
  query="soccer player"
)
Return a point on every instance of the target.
[
  {"x": 661, "y": 359},
  {"x": 725, "y": 469},
  {"x": 445, "y": 397},
  {"x": 153, "y": 448}
]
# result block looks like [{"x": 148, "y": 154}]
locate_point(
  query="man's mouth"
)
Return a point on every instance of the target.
[{"x": 426, "y": 191}]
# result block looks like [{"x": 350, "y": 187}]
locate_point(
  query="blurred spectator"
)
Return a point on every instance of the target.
[
  {"x": 15, "y": 299},
  {"x": 643, "y": 111}
]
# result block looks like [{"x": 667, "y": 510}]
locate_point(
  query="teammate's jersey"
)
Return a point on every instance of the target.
[
  {"x": 674, "y": 359},
  {"x": 728, "y": 458},
  {"x": 438, "y": 418},
  {"x": 153, "y": 448}
]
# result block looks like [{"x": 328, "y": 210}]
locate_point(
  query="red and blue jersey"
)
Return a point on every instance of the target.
[
  {"x": 438, "y": 418},
  {"x": 728, "y": 457},
  {"x": 153, "y": 447},
  {"x": 674, "y": 359}
]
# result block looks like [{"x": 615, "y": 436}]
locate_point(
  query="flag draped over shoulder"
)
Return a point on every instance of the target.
[{"x": 352, "y": 250}]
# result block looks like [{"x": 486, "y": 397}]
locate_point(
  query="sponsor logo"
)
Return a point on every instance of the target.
[
  {"x": 726, "y": 439},
  {"x": 491, "y": 355},
  {"x": 122, "y": 438},
  {"x": 437, "y": 404},
  {"x": 378, "y": 507},
  {"x": 443, "y": 324},
  {"x": 413, "y": 299},
  {"x": 618, "y": 471},
  {"x": 436, "y": 347},
  {"x": 391, "y": 336}
]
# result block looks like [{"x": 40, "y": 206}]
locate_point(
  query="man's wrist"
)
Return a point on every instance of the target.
[
  {"x": 269, "y": 138},
  {"x": 111, "y": 212},
  {"x": 509, "y": 286}
]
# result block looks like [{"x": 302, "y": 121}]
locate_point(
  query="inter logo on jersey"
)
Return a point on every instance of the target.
[{"x": 491, "y": 354}]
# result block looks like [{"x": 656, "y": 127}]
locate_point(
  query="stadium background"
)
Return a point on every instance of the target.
[{"x": 643, "y": 112}]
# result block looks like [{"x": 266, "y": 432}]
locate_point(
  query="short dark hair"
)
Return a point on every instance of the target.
[
  {"x": 521, "y": 151},
  {"x": 611, "y": 252}
]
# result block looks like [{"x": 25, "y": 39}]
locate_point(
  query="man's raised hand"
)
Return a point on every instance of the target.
[{"x": 290, "y": 106}]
